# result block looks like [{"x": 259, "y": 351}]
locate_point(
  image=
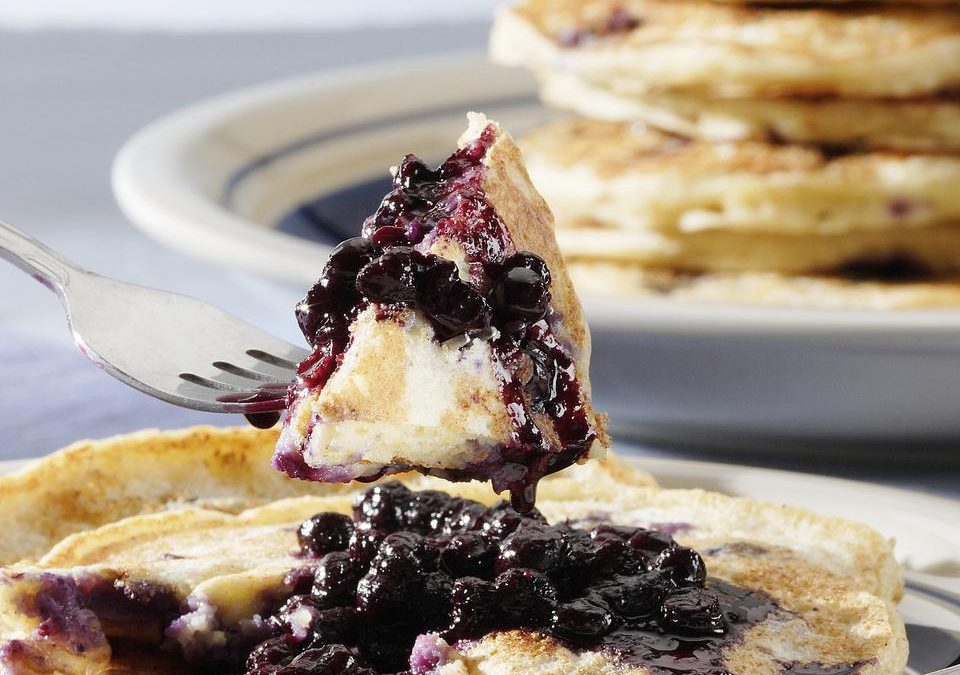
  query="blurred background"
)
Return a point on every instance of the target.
[
  {"x": 79, "y": 78},
  {"x": 225, "y": 15}
]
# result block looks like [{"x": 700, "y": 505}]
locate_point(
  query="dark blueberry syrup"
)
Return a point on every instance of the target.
[
  {"x": 822, "y": 669},
  {"x": 892, "y": 269},
  {"x": 410, "y": 564},
  {"x": 64, "y": 616},
  {"x": 390, "y": 589},
  {"x": 265, "y": 405},
  {"x": 506, "y": 301},
  {"x": 619, "y": 21}
]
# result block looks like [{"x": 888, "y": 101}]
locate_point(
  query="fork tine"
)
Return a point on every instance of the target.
[
  {"x": 240, "y": 371},
  {"x": 201, "y": 381},
  {"x": 272, "y": 359}
]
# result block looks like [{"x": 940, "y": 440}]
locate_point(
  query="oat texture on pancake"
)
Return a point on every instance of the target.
[
  {"x": 447, "y": 338},
  {"x": 417, "y": 575},
  {"x": 815, "y": 141}
]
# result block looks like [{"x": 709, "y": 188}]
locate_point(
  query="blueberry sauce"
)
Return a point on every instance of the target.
[
  {"x": 411, "y": 577},
  {"x": 892, "y": 269},
  {"x": 58, "y": 602},
  {"x": 412, "y": 573},
  {"x": 505, "y": 300},
  {"x": 617, "y": 22},
  {"x": 822, "y": 669},
  {"x": 263, "y": 406},
  {"x": 139, "y": 606}
]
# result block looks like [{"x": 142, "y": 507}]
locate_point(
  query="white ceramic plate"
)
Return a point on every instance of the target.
[
  {"x": 926, "y": 528},
  {"x": 225, "y": 180}
]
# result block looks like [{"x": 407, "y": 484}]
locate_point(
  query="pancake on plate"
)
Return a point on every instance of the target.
[
  {"x": 737, "y": 50},
  {"x": 920, "y": 253},
  {"x": 603, "y": 578},
  {"x": 633, "y": 178},
  {"x": 929, "y": 123},
  {"x": 855, "y": 291},
  {"x": 778, "y": 153}
]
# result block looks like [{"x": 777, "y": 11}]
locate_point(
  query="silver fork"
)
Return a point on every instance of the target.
[{"x": 171, "y": 346}]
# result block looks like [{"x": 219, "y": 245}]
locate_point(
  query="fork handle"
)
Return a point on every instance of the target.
[{"x": 35, "y": 259}]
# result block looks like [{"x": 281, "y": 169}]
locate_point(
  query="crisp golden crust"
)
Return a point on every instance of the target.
[
  {"x": 734, "y": 49},
  {"x": 927, "y": 124},
  {"x": 934, "y": 249},
  {"x": 763, "y": 288},
  {"x": 635, "y": 178},
  {"x": 91, "y": 483},
  {"x": 530, "y": 224}
]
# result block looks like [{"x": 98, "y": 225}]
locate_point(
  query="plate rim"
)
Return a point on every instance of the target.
[{"x": 170, "y": 207}]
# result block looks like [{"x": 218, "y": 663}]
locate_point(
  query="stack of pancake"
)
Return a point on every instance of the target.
[{"x": 777, "y": 153}]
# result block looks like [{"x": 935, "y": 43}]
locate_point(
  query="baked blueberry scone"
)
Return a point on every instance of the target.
[
  {"x": 448, "y": 338},
  {"x": 422, "y": 576}
]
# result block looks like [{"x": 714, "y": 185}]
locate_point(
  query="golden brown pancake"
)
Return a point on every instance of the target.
[
  {"x": 924, "y": 124},
  {"x": 736, "y": 50},
  {"x": 765, "y": 288},
  {"x": 919, "y": 252},
  {"x": 833, "y": 583},
  {"x": 637, "y": 179}
]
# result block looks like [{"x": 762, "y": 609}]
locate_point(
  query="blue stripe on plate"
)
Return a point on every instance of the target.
[{"x": 300, "y": 144}]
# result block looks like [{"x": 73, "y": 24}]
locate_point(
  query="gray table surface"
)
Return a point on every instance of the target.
[{"x": 69, "y": 100}]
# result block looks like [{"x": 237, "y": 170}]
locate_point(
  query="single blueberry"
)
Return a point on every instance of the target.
[
  {"x": 650, "y": 542},
  {"x": 277, "y": 651},
  {"x": 585, "y": 618},
  {"x": 338, "y": 625},
  {"x": 474, "y": 610},
  {"x": 683, "y": 566},
  {"x": 693, "y": 611},
  {"x": 469, "y": 554},
  {"x": 323, "y": 533},
  {"x": 336, "y": 580},
  {"x": 525, "y": 596},
  {"x": 364, "y": 544},
  {"x": 532, "y": 545},
  {"x": 378, "y": 507},
  {"x": 391, "y": 278},
  {"x": 413, "y": 174},
  {"x": 632, "y": 596}
]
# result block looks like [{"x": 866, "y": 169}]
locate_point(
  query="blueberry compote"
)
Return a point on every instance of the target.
[
  {"x": 505, "y": 301},
  {"x": 619, "y": 21},
  {"x": 409, "y": 564}
]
